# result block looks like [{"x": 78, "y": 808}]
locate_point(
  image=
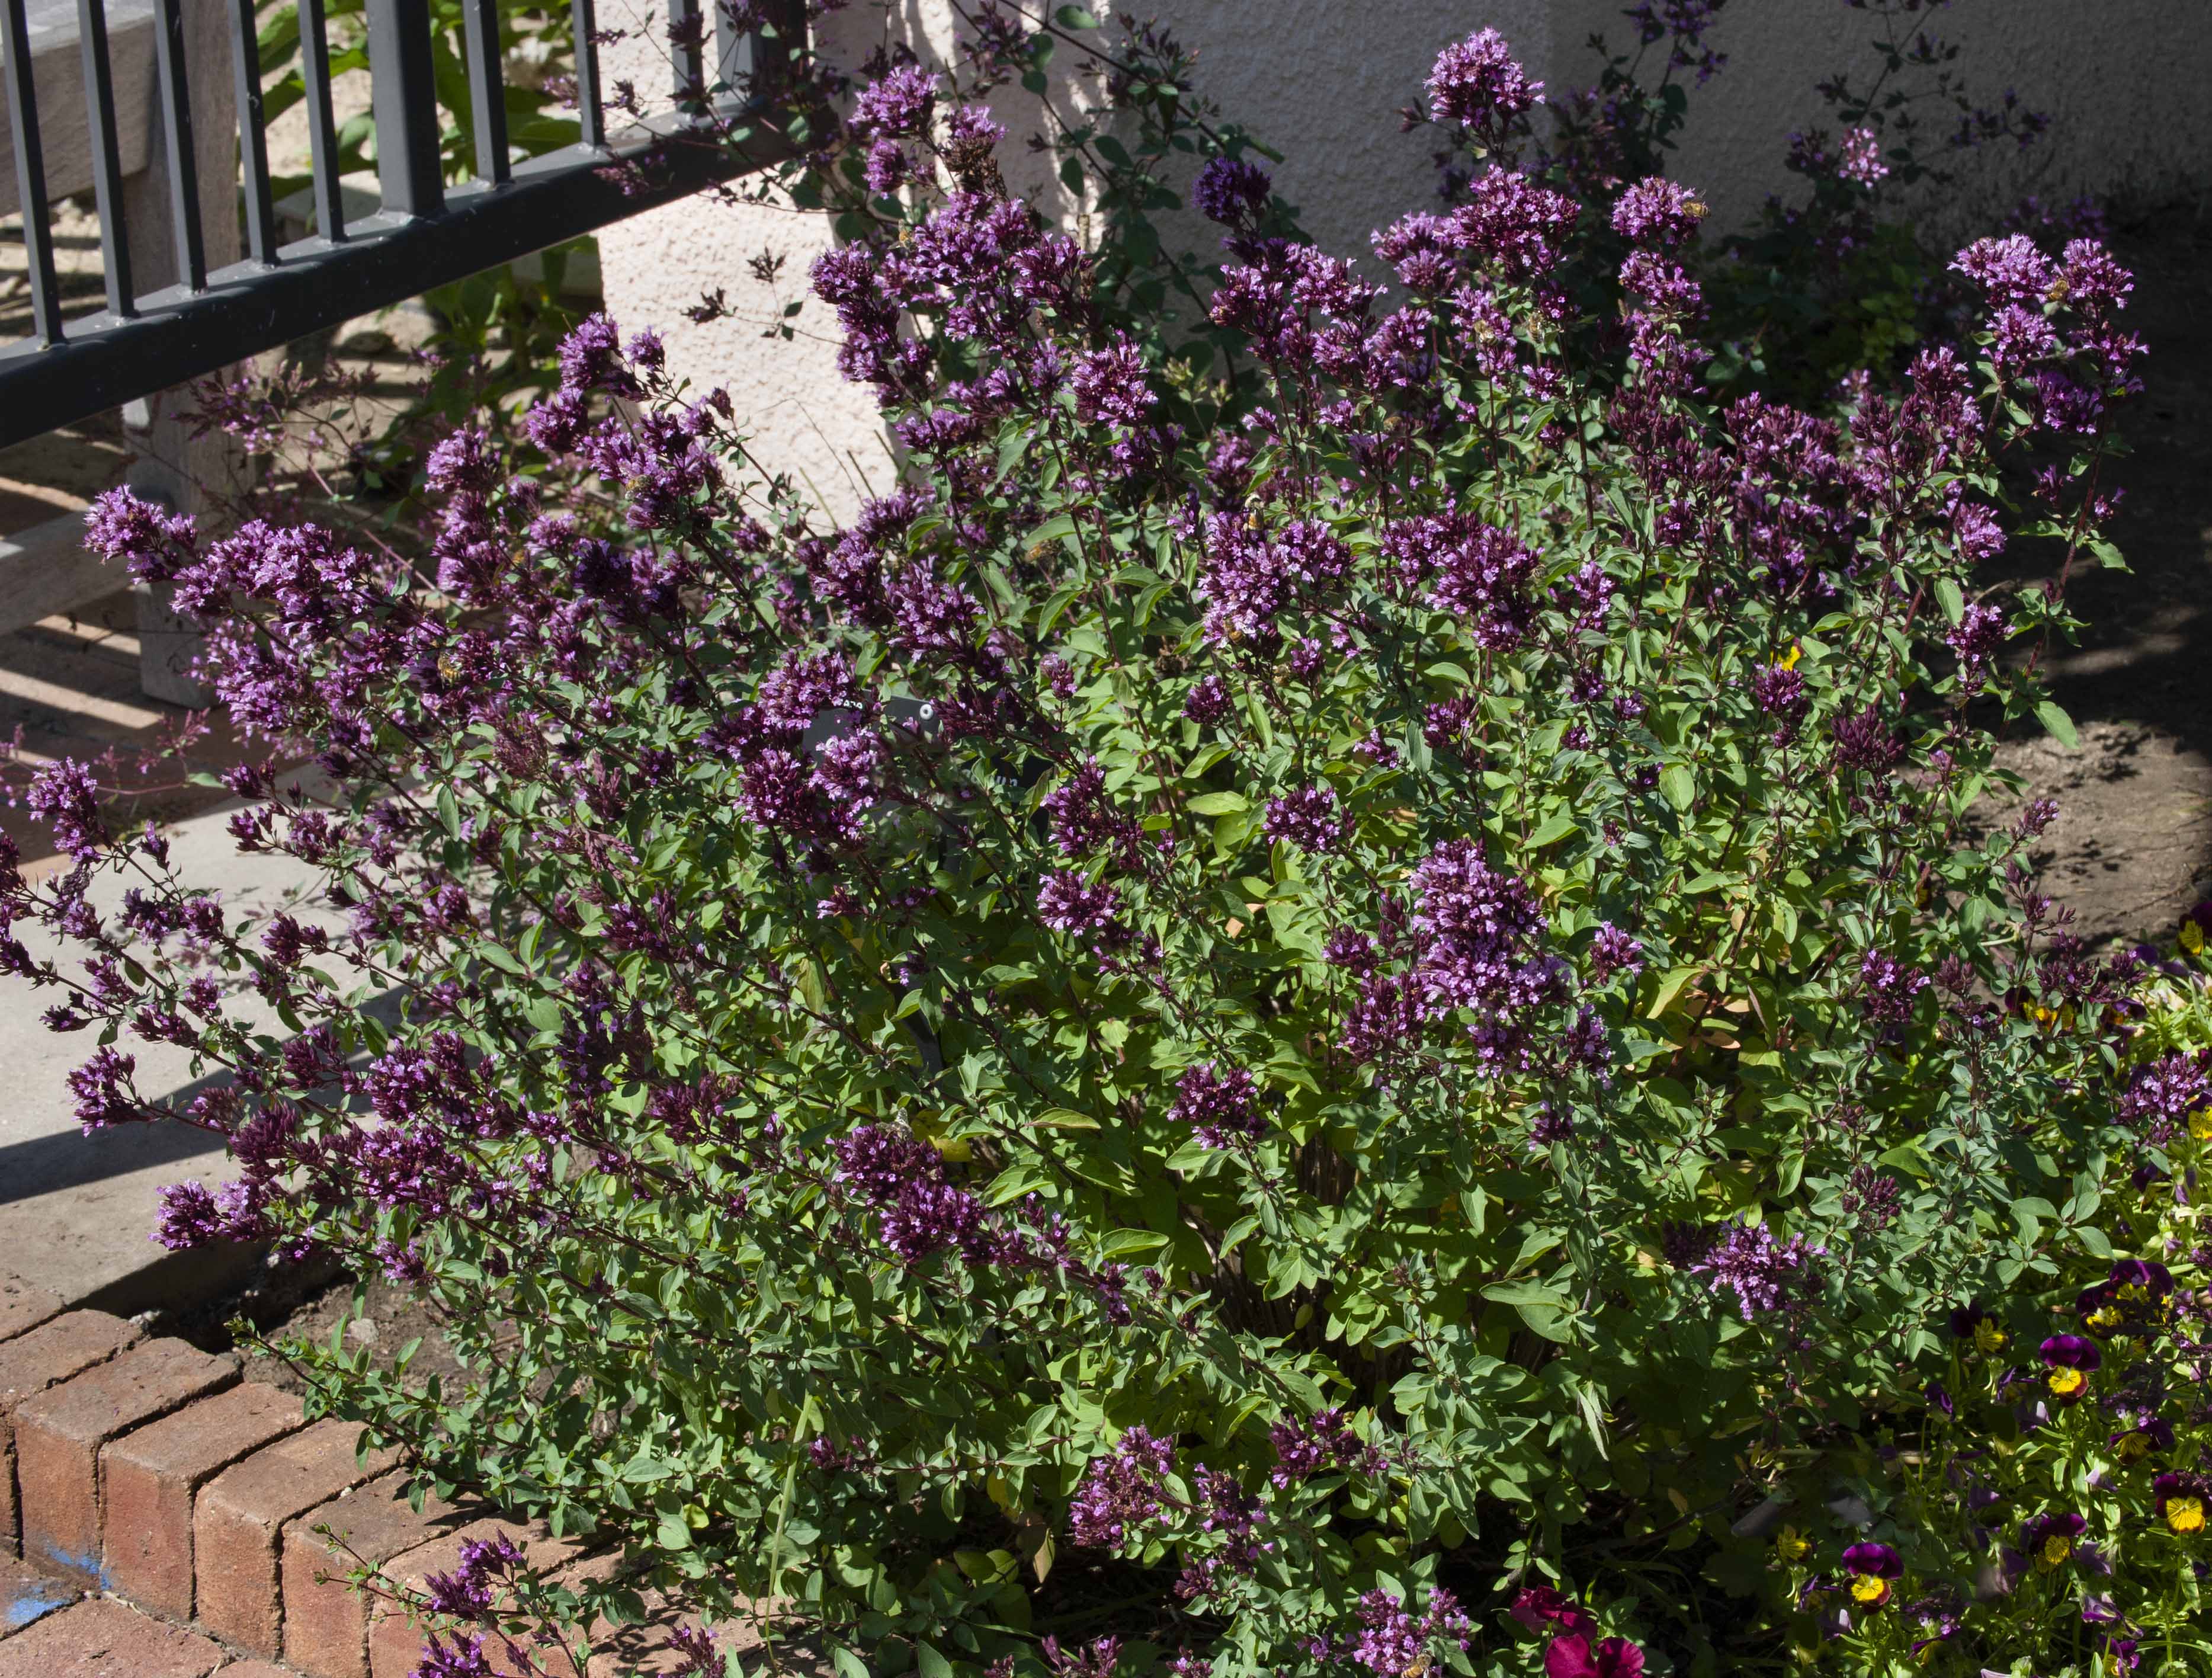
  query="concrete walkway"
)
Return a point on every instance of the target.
[{"x": 76, "y": 1212}]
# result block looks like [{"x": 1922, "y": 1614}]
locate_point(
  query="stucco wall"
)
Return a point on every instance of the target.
[
  {"x": 2127, "y": 84},
  {"x": 2124, "y": 80}
]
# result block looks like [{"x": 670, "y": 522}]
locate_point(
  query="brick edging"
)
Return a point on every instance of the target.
[{"x": 191, "y": 1502}]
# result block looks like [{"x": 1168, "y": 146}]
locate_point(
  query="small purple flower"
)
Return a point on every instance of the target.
[
  {"x": 1764, "y": 1274},
  {"x": 1781, "y": 693},
  {"x": 463, "y": 1658},
  {"x": 1110, "y": 385},
  {"x": 1872, "y": 1568},
  {"x": 1862, "y": 159},
  {"x": 1613, "y": 950},
  {"x": 1889, "y": 990},
  {"x": 1221, "y": 1107},
  {"x": 1658, "y": 212},
  {"x": 1230, "y": 191},
  {"x": 897, "y": 104},
  {"x": 1120, "y": 1494},
  {"x": 1478, "y": 82},
  {"x": 2161, "y": 1095},
  {"x": 102, "y": 1089},
  {"x": 2010, "y": 269},
  {"x": 1208, "y": 701},
  {"x": 1067, "y": 903},
  {"x": 1308, "y": 818},
  {"x": 64, "y": 796},
  {"x": 1977, "y": 635}
]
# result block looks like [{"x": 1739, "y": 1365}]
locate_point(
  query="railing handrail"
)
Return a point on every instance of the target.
[{"x": 427, "y": 235}]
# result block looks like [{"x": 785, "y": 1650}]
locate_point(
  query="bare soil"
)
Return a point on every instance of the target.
[{"x": 2131, "y": 850}]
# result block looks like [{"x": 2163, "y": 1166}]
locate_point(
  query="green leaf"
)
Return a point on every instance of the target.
[
  {"x": 1680, "y": 783},
  {"x": 1121, "y": 1243},
  {"x": 1553, "y": 831},
  {"x": 1670, "y": 987},
  {"x": 1072, "y": 17},
  {"x": 1220, "y": 804},
  {"x": 1525, "y": 1293},
  {"x": 1948, "y": 595},
  {"x": 2060, "y": 726},
  {"x": 929, "y": 1664}
]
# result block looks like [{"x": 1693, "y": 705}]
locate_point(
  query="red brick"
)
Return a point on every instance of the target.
[
  {"x": 32, "y": 1362},
  {"x": 326, "y": 1619},
  {"x": 59, "y": 1432},
  {"x": 395, "y": 1644},
  {"x": 254, "y": 1669},
  {"x": 238, "y": 1517},
  {"x": 102, "y": 1639},
  {"x": 23, "y": 1307},
  {"x": 148, "y": 1479},
  {"x": 27, "y": 1597}
]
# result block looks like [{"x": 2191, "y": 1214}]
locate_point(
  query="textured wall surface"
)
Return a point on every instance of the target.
[
  {"x": 2124, "y": 82},
  {"x": 2127, "y": 84}
]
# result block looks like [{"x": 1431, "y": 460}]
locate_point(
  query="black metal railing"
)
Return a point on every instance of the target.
[{"x": 426, "y": 233}]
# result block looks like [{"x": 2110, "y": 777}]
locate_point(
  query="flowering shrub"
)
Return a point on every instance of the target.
[{"x": 1361, "y": 1025}]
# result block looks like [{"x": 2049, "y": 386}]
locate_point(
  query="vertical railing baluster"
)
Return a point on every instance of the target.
[
  {"x": 734, "y": 49},
  {"x": 252, "y": 136},
  {"x": 486, "y": 90},
  {"x": 31, "y": 174},
  {"x": 106, "y": 157},
  {"x": 591, "y": 114},
  {"x": 322, "y": 121},
  {"x": 403, "y": 99},
  {"x": 687, "y": 36},
  {"x": 176, "y": 135}
]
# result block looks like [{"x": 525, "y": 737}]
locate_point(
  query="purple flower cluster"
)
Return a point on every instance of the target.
[
  {"x": 2162, "y": 1095},
  {"x": 1250, "y": 576},
  {"x": 1766, "y": 1275},
  {"x": 1478, "y": 84},
  {"x": 1889, "y": 990},
  {"x": 896, "y": 103},
  {"x": 1230, "y": 191},
  {"x": 1222, "y": 1109},
  {"x": 903, "y": 1178},
  {"x": 1083, "y": 820},
  {"x": 1317, "y": 1445},
  {"x": 1480, "y": 933},
  {"x": 1120, "y": 1495},
  {"x": 66, "y": 798},
  {"x": 1110, "y": 385},
  {"x": 1309, "y": 818},
  {"x": 1862, "y": 162},
  {"x": 1658, "y": 212},
  {"x": 1393, "y": 1641},
  {"x": 1069, "y": 903}
]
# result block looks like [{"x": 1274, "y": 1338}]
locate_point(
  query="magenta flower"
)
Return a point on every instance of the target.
[
  {"x": 1540, "y": 1608},
  {"x": 1576, "y": 1656}
]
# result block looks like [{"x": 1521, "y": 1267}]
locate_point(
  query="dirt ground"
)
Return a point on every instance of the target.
[{"x": 2131, "y": 850}]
